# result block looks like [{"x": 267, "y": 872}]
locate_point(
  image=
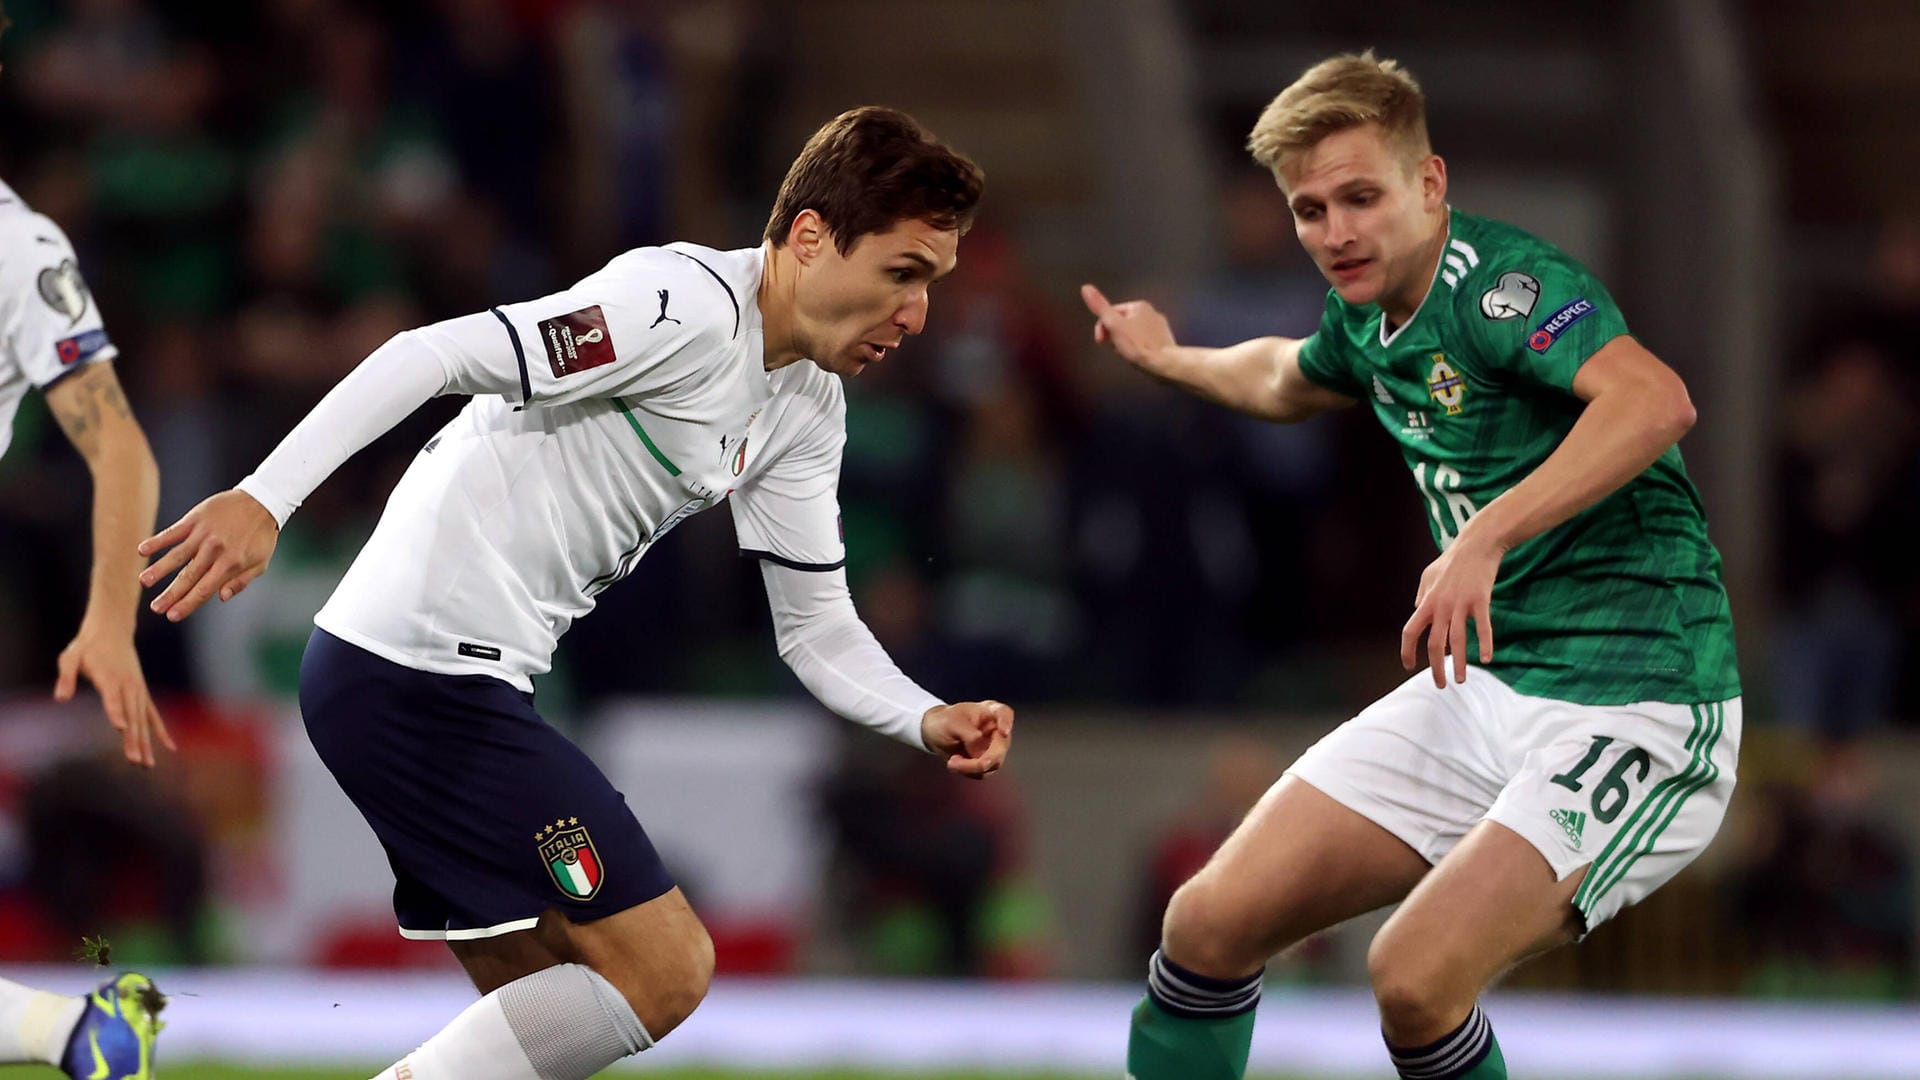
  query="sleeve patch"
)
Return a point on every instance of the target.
[
  {"x": 1512, "y": 298},
  {"x": 577, "y": 341},
  {"x": 80, "y": 347},
  {"x": 64, "y": 290},
  {"x": 1558, "y": 323}
]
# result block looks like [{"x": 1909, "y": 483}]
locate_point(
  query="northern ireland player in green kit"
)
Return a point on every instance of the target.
[{"x": 1571, "y": 743}]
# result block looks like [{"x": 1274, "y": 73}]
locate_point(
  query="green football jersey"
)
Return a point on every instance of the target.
[{"x": 1621, "y": 603}]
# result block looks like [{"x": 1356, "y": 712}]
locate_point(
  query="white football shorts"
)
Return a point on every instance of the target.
[{"x": 1633, "y": 791}]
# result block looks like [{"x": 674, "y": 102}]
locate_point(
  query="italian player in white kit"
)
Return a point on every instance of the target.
[
  {"x": 52, "y": 338},
  {"x": 672, "y": 380}
]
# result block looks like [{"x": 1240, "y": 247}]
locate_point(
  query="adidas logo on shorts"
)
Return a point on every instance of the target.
[{"x": 1571, "y": 822}]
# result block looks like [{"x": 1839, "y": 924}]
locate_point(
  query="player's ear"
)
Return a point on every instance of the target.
[
  {"x": 808, "y": 236},
  {"x": 1433, "y": 182}
]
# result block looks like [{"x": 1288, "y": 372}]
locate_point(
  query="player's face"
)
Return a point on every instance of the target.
[
  {"x": 1365, "y": 216},
  {"x": 854, "y": 309}
]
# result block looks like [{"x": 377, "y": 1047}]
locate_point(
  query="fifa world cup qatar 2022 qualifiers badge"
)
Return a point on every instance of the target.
[{"x": 570, "y": 857}]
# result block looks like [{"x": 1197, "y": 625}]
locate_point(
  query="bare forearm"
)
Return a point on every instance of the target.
[
  {"x": 1243, "y": 377},
  {"x": 1617, "y": 437},
  {"x": 126, "y": 495},
  {"x": 93, "y": 412}
]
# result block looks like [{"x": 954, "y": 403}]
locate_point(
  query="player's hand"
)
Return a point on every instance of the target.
[
  {"x": 1454, "y": 587},
  {"x": 104, "y": 656},
  {"x": 974, "y": 735},
  {"x": 223, "y": 544},
  {"x": 1135, "y": 329}
]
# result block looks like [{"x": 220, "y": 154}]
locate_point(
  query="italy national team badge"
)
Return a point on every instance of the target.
[
  {"x": 1445, "y": 385},
  {"x": 570, "y": 857},
  {"x": 733, "y": 448}
]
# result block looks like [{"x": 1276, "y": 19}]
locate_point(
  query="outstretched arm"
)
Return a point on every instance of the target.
[
  {"x": 1261, "y": 377},
  {"x": 221, "y": 545},
  {"x": 835, "y": 656},
  {"x": 1636, "y": 408},
  {"x": 93, "y": 412},
  {"x": 559, "y": 348}
]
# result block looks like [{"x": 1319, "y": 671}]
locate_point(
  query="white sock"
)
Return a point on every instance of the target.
[
  {"x": 34, "y": 1024},
  {"x": 568, "y": 1018},
  {"x": 479, "y": 1044}
]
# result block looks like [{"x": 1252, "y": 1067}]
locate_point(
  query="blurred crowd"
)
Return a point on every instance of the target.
[{"x": 261, "y": 194}]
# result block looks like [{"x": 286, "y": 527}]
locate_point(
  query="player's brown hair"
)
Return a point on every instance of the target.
[
  {"x": 1338, "y": 93},
  {"x": 871, "y": 167},
  {"x": 4, "y": 21}
]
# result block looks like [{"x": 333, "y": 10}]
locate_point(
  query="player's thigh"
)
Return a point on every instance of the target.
[
  {"x": 1610, "y": 803},
  {"x": 1630, "y": 794},
  {"x": 1299, "y": 863},
  {"x": 1354, "y": 824},
  {"x": 658, "y": 954},
  {"x": 1490, "y": 903},
  {"x": 474, "y": 794},
  {"x": 493, "y": 962}
]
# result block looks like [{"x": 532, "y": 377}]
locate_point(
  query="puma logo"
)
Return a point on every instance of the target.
[{"x": 664, "y": 317}]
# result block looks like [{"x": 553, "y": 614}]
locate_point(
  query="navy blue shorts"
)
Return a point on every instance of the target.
[{"x": 489, "y": 816}]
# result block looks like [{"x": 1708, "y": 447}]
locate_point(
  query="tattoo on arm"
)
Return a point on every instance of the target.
[{"x": 84, "y": 402}]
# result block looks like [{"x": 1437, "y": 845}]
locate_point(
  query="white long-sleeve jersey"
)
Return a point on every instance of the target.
[
  {"x": 602, "y": 416},
  {"x": 49, "y": 325}
]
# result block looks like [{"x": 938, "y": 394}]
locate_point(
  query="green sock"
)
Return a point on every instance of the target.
[
  {"x": 1434, "y": 1061},
  {"x": 1494, "y": 1067},
  {"x": 1163, "y": 1046}
]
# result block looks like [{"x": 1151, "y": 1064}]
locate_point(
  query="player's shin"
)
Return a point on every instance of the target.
[
  {"x": 1191, "y": 1027},
  {"x": 564, "y": 1023},
  {"x": 1468, "y": 1052}
]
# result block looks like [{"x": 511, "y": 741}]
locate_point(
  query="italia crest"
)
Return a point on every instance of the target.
[
  {"x": 571, "y": 859},
  {"x": 1445, "y": 385},
  {"x": 733, "y": 448}
]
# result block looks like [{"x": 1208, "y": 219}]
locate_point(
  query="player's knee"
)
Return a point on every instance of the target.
[
  {"x": 673, "y": 984},
  {"x": 1412, "y": 990},
  {"x": 1205, "y": 932}
]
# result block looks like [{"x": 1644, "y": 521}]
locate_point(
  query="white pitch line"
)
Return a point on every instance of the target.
[{"x": 296, "y": 1017}]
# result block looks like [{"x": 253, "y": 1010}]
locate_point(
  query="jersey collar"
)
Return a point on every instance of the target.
[{"x": 1439, "y": 264}]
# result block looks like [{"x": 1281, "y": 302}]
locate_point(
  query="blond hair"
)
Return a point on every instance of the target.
[{"x": 1338, "y": 93}]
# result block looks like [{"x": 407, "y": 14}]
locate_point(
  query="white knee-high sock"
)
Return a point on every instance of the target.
[
  {"x": 35, "y": 1024},
  {"x": 479, "y": 1043},
  {"x": 564, "y": 1023}
]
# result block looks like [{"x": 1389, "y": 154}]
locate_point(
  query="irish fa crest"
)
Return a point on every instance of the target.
[
  {"x": 568, "y": 852},
  {"x": 1445, "y": 385}
]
